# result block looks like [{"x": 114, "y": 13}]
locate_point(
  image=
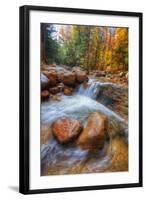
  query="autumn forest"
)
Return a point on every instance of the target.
[{"x": 90, "y": 47}]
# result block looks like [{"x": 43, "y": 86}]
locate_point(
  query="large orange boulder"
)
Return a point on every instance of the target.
[
  {"x": 94, "y": 133},
  {"x": 65, "y": 129}
]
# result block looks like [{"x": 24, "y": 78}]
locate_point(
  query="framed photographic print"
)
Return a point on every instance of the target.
[{"x": 80, "y": 99}]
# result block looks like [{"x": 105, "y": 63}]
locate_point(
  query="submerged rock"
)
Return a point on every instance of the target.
[
  {"x": 66, "y": 129},
  {"x": 46, "y": 134},
  {"x": 94, "y": 133}
]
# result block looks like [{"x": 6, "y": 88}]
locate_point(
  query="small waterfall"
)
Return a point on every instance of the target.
[
  {"x": 89, "y": 89},
  {"x": 92, "y": 88}
]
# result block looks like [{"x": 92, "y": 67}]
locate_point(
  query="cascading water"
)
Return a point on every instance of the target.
[
  {"x": 78, "y": 106},
  {"x": 92, "y": 88},
  {"x": 89, "y": 89}
]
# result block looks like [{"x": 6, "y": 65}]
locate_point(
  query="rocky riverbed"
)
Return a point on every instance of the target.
[{"x": 84, "y": 122}]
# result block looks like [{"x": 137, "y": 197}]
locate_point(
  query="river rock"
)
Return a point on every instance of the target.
[
  {"x": 66, "y": 129},
  {"x": 55, "y": 97},
  {"x": 126, "y": 75},
  {"x": 53, "y": 65},
  {"x": 60, "y": 76},
  {"x": 60, "y": 86},
  {"x": 115, "y": 98},
  {"x": 67, "y": 90},
  {"x": 94, "y": 133},
  {"x": 122, "y": 74},
  {"x": 54, "y": 90},
  {"x": 81, "y": 76},
  {"x": 45, "y": 72},
  {"x": 45, "y": 94},
  {"x": 69, "y": 79},
  {"x": 44, "y": 82},
  {"x": 52, "y": 76}
]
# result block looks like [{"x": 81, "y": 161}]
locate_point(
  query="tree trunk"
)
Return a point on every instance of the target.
[{"x": 43, "y": 41}]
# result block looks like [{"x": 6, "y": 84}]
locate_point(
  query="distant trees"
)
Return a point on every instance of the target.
[
  {"x": 49, "y": 44},
  {"x": 43, "y": 42},
  {"x": 91, "y": 47},
  {"x": 121, "y": 47}
]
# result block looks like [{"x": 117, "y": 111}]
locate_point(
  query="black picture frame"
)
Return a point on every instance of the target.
[{"x": 24, "y": 98}]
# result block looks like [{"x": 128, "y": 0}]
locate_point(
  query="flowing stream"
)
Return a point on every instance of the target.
[{"x": 70, "y": 159}]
